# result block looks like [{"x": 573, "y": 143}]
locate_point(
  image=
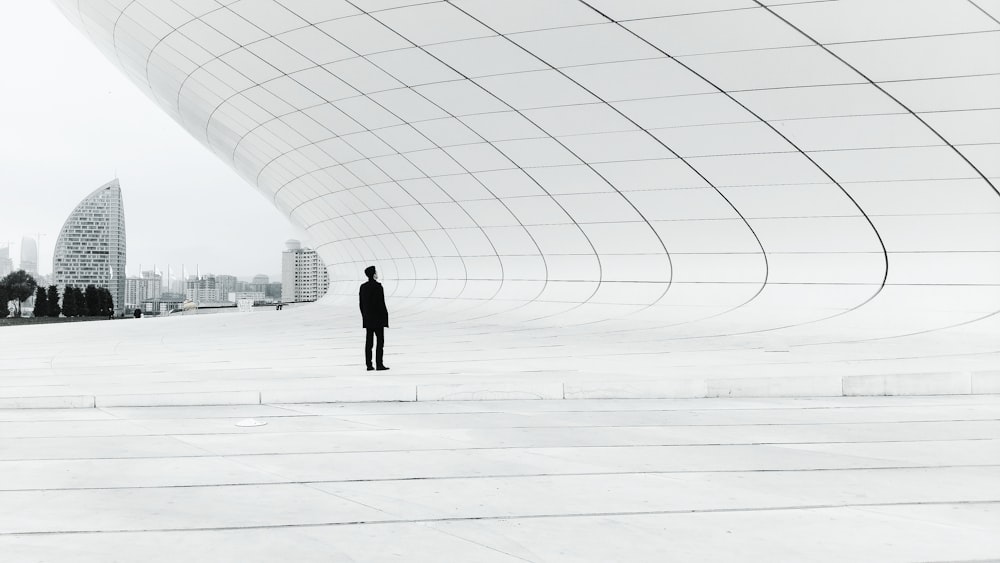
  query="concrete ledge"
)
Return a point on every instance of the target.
[
  {"x": 388, "y": 393},
  {"x": 489, "y": 391},
  {"x": 986, "y": 382},
  {"x": 54, "y": 402},
  {"x": 671, "y": 389},
  {"x": 806, "y": 386},
  {"x": 180, "y": 399},
  {"x": 953, "y": 383},
  {"x": 908, "y": 384}
]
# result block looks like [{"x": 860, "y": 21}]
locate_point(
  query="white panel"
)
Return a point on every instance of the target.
[{"x": 584, "y": 141}]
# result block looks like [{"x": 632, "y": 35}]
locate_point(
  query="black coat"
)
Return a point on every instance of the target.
[{"x": 371, "y": 299}]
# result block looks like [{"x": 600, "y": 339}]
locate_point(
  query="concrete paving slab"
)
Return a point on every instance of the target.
[
  {"x": 95, "y": 447},
  {"x": 805, "y": 534},
  {"x": 43, "y": 401},
  {"x": 169, "y": 399},
  {"x": 828, "y": 479},
  {"x": 320, "y": 442},
  {"x": 722, "y": 435},
  {"x": 414, "y": 464},
  {"x": 503, "y": 497},
  {"x": 193, "y": 412},
  {"x": 861, "y": 486},
  {"x": 230, "y": 359},
  {"x": 987, "y": 382},
  {"x": 180, "y": 508},
  {"x": 12, "y": 415},
  {"x": 415, "y": 543},
  {"x": 127, "y": 472},
  {"x": 978, "y": 452},
  {"x": 54, "y": 428},
  {"x": 305, "y": 423}
]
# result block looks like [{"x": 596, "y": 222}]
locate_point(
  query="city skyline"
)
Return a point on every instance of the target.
[
  {"x": 136, "y": 268},
  {"x": 177, "y": 193}
]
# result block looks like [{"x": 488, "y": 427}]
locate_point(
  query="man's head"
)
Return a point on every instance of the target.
[{"x": 370, "y": 272}]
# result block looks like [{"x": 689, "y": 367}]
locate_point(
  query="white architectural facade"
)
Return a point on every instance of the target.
[
  {"x": 303, "y": 274},
  {"x": 91, "y": 244},
  {"x": 700, "y": 170}
]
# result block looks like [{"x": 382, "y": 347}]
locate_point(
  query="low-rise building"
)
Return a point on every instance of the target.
[
  {"x": 162, "y": 305},
  {"x": 255, "y": 296}
]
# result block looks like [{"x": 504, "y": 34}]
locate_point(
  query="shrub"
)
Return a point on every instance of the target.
[
  {"x": 41, "y": 302},
  {"x": 69, "y": 306},
  {"x": 53, "y": 301},
  {"x": 5, "y": 299}
]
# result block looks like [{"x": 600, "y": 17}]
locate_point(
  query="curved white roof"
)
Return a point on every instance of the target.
[{"x": 717, "y": 167}]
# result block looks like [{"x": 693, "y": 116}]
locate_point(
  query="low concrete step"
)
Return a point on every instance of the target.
[{"x": 948, "y": 383}]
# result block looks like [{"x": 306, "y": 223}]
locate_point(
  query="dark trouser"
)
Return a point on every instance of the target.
[{"x": 369, "y": 334}]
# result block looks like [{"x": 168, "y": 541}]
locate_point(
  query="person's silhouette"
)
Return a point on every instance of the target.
[{"x": 374, "y": 316}]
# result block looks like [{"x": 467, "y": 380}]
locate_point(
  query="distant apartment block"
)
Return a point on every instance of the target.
[
  {"x": 140, "y": 289},
  {"x": 273, "y": 290},
  {"x": 226, "y": 285},
  {"x": 303, "y": 274},
  {"x": 6, "y": 265},
  {"x": 90, "y": 249},
  {"x": 203, "y": 290}
]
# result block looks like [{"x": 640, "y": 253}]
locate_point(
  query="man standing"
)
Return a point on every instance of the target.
[{"x": 375, "y": 317}]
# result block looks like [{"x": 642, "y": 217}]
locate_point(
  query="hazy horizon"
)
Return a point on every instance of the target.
[{"x": 73, "y": 122}]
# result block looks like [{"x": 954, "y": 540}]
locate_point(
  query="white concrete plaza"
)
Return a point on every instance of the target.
[
  {"x": 835, "y": 479},
  {"x": 723, "y": 234},
  {"x": 314, "y": 353}
]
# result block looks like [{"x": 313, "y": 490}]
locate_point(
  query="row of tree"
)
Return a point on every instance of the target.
[
  {"x": 92, "y": 301},
  {"x": 18, "y": 286}
]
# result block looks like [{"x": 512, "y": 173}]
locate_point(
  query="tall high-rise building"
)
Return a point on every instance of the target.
[
  {"x": 133, "y": 292},
  {"x": 152, "y": 284},
  {"x": 91, "y": 244},
  {"x": 259, "y": 283},
  {"x": 303, "y": 274},
  {"x": 29, "y": 255},
  {"x": 226, "y": 285},
  {"x": 6, "y": 266}
]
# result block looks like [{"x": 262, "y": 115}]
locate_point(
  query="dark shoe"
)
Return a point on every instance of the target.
[
  {"x": 371, "y": 368},
  {"x": 382, "y": 368}
]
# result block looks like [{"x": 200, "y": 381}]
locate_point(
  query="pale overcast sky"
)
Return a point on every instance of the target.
[{"x": 70, "y": 121}]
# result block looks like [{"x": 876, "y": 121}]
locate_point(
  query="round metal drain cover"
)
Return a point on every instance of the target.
[{"x": 250, "y": 422}]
